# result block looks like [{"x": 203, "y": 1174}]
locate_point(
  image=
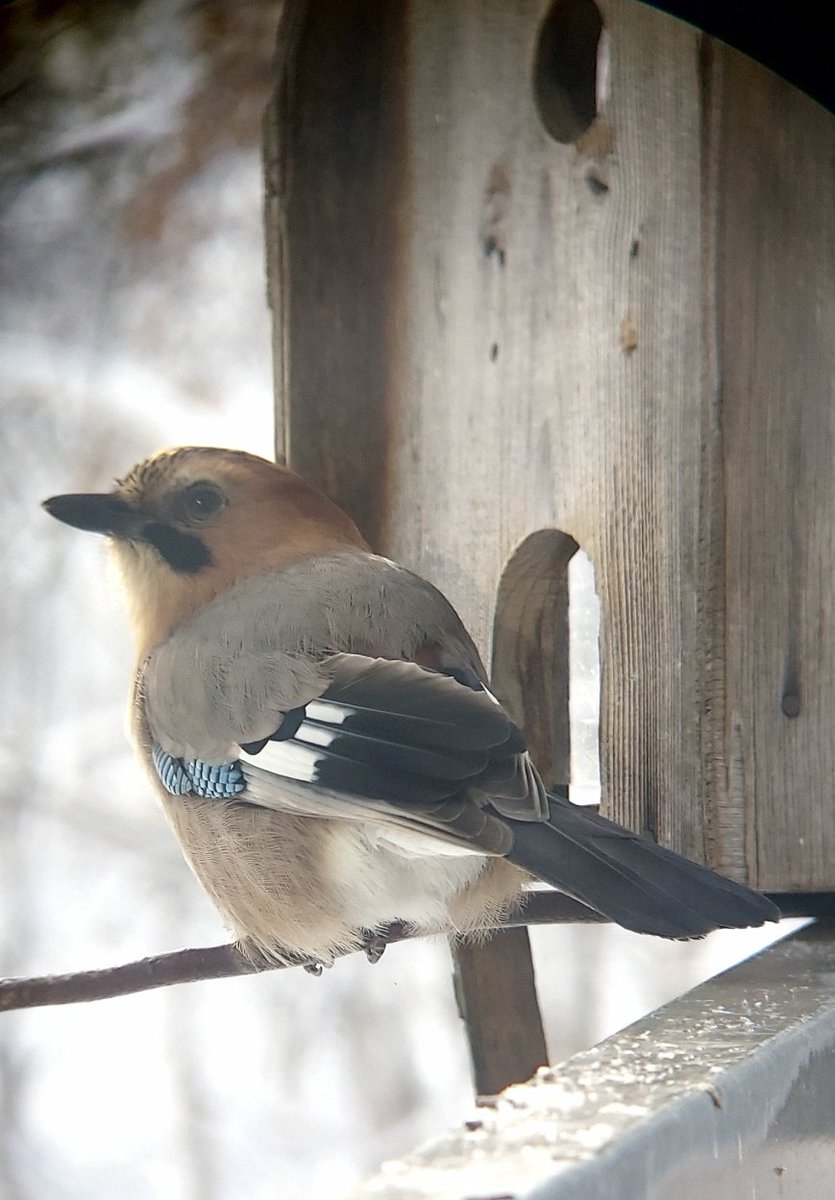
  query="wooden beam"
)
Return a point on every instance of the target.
[
  {"x": 496, "y": 994},
  {"x": 494, "y": 981}
]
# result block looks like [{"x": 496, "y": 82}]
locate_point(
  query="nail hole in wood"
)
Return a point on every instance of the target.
[
  {"x": 566, "y": 68},
  {"x": 790, "y": 705},
  {"x": 596, "y": 185}
]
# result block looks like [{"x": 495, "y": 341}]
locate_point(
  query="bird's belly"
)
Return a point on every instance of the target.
[{"x": 384, "y": 874}]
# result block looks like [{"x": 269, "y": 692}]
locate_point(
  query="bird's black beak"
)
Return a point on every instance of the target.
[{"x": 97, "y": 512}]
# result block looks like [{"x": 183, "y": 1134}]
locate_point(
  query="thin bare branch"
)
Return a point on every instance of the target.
[
  {"x": 219, "y": 962},
  {"x": 224, "y": 962}
]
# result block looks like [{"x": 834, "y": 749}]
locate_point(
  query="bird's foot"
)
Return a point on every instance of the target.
[
  {"x": 373, "y": 944},
  {"x": 315, "y": 967}
]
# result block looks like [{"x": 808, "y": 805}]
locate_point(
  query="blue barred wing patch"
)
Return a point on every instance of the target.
[{"x": 213, "y": 781}]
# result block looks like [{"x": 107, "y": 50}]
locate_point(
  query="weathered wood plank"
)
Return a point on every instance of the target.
[
  {"x": 775, "y": 191},
  {"x": 496, "y": 994},
  {"x": 336, "y": 166},
  {"x": 523, "y": 410},
  {"x": 494, "y": 981},
  {"x": 484, "y": 333},
  {"x": 335, "y": 149},
  {"x": 530, "y": 649}
]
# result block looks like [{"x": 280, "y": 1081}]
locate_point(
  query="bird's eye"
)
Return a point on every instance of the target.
[{"x": 201, "y": 501}]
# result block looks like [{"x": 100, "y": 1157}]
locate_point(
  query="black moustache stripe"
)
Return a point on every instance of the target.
[{"x": 182, "y": 551}]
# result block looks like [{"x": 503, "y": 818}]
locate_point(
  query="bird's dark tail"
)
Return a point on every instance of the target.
[{"x": 631, "y": 880}]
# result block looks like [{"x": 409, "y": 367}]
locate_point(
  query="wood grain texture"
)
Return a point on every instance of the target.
[
  {"x": 278, "y": 121},
  {"x": 335, "y": 154},
  {"x": 495, "y": 981},
  {"x": 530, "y": 649},
  {"x": 776, "y": 350},
  {"x": 628, "y": 340},
  {"x": 494, "y": 986},
  {"x": 524, "y": 410}
]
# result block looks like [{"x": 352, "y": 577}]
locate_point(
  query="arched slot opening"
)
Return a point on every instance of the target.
[
  {"x": 546, "y": 666},
  {"x": 584, "y": 680},
  {"x": 566, "y": 68}
]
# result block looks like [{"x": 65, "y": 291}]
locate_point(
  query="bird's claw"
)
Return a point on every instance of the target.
[
  {"x": 374, "y": 946},
  {"x": 315, "y": 967}
]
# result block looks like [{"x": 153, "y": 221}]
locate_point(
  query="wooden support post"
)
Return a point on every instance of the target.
[
  {"x": 496, "y": 994},
  {"x": 494, "y": 981}
]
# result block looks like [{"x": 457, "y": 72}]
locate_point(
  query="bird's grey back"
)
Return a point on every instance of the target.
[{"x": 260, "y": 648}]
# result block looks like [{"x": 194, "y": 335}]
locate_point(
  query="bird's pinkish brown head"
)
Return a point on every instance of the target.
[{"x": 186, "y": 524}]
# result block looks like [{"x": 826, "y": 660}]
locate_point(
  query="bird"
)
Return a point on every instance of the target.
[{"x": 319, "y": 728}]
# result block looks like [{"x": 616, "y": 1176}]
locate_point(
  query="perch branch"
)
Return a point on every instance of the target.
[
  {"x": 220, "y": 962},
  {"x": 224, "y": 962}
]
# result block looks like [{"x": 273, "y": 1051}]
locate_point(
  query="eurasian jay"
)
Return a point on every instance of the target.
[{"x": 317, "y": 722}]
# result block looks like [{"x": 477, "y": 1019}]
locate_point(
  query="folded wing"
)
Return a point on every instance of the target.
[{"x": 393, "y": 742}]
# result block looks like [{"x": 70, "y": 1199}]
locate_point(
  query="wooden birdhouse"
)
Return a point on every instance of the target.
[
  {"x": 549, "y": 275},
  {"x": 560, "y": 274}
]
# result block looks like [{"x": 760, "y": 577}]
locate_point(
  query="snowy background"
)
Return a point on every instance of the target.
[{"x": 133, "y": 316}]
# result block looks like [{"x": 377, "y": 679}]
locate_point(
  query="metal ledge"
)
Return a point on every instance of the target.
[{"x": 728, "y": 1092}]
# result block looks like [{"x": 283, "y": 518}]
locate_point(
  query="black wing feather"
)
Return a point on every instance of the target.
[
  {"x": 394, "y": 731},
  {"x": 427, "y": 752},
  {"x": 396, "y": 755},
  {"x": 634, "y": 881}
]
